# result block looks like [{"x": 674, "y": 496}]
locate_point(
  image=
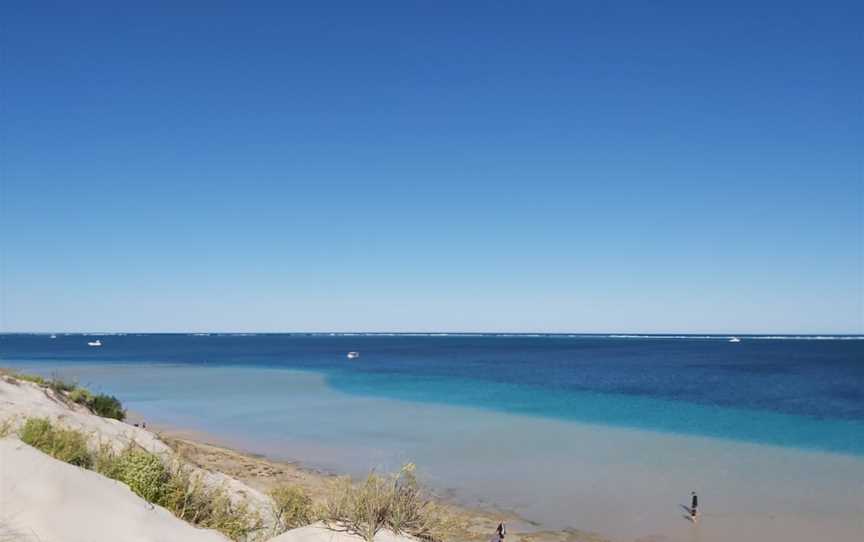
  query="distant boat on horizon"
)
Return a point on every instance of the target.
[
  {"x": 97, "y": 342},
  {"x": 353, "y": 355},
  {"x": 53, "y": 336},
  {"x": 734, "y": 340}
]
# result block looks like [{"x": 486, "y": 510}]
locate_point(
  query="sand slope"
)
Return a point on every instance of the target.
[
  {"x": 50, "y": 501},
  {"x": 20, "y": 400}
]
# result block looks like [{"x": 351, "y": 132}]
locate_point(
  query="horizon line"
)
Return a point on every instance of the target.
[{"x": 611, "y": 334}]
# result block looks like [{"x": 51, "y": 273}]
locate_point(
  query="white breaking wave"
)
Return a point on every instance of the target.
[{"x": 744, "y": 337}]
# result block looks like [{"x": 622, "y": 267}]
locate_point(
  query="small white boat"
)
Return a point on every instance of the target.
[
  {"x": 734, "y": 340},
  {"x": 353, "y": 355},
  {"x": 97, "y": 342},
  {"x": 53, "y": 336}
]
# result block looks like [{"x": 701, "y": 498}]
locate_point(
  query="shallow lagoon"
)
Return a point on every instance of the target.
[{"x": 600, "y": 434}]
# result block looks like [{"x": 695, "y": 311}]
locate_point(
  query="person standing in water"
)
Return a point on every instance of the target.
[{"x": 694, "y": 505}]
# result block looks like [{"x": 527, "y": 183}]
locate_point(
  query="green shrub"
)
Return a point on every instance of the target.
[
  {"x": 64, "y": 444},
  {"x": 178, "y": 489},
  {"x": 82, "y": 396},
  {"x": 103, "y": 405},
  {"x": 107, "y": 406},
  {"x": 292, "y": 508},
  {"x": 143, "y": 472}
]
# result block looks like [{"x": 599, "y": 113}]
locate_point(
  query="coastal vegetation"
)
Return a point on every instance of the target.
[
  {"x": 168, "y": 483},
  {"x": 396, "y": 502},
  {"x": 100, "y": 404},
  {"x": 292, "y": 508},
  {"x": 103, "y": 405},
  {"x": 64, "y": 444}
]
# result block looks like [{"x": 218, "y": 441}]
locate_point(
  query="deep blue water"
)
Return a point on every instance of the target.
[{"x": 803, "y": 393}]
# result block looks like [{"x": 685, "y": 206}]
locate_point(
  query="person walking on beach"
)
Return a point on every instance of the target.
[
  {"x": 499, "y": 533},
  {"x": 694, "y": 505}
]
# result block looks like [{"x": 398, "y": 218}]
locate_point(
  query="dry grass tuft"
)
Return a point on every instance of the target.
[
  {"x": 292, "y": 508},
  {"x": 396, "y": 502}
]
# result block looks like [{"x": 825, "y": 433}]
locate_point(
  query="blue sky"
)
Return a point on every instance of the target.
[{"x": 463, "y": 166}]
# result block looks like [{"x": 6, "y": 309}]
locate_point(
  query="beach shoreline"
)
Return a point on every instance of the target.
[{"x": 473, "y": 523}]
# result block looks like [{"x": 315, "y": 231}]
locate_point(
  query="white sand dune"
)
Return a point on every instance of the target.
[
  {"x": 20, "y": 400},
  {"x": 46, "y": 500}
]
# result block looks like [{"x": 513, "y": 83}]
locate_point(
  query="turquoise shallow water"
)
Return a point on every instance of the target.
[
  {"x": 805, "y": 393},
  {"x": 635, "y": 411}
]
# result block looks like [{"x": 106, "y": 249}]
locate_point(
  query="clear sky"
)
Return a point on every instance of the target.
[{"x": 418, "y": 166}]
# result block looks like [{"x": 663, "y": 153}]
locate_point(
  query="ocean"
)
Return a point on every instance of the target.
[{"x": 602, "y": 423}]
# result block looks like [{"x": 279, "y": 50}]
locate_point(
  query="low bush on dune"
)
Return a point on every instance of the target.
[
  {"x": 60, "y": 385},
  {"x": 181, "y": 490},
  {"x": 411, "y": 511},
  {"x": 82, "y": 396},
  {"x": 103, "y": 405},
  {"x": 236, "y": 521},
  {"x": 144, "y": 473},
  {"x": 292, "y": 508},
  {"x": 173, "y": 486},
  {"x": 190, "y": 499},
  {"x": 107, "y": 406},
  {"x": 359, "y": 509},
  {"x": 64, "y": 444},
  {"x": 396, "y": 502}
]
